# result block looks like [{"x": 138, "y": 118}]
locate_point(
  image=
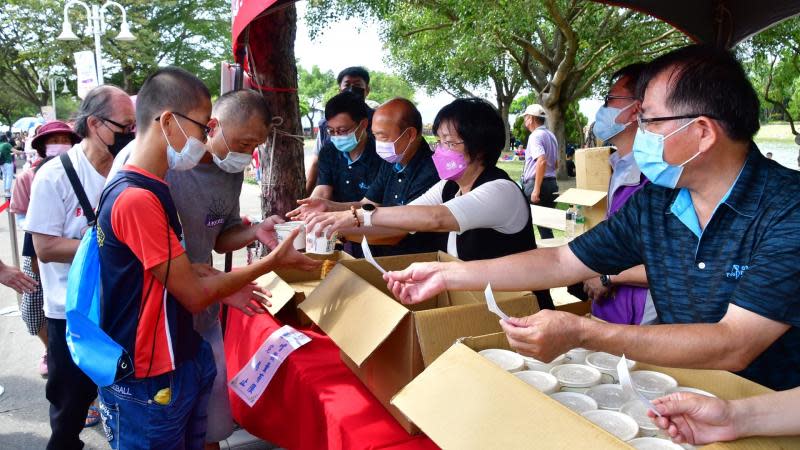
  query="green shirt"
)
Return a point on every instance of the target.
[{"x": 5, "y": 153}]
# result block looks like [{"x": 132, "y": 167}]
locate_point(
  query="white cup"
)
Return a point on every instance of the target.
[
  {"x": 283, "y": 230},
  {"x": 320, "y": 245}
]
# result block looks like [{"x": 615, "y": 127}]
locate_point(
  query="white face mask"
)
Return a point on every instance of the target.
[
  {"x": 191, "y": 153},
  {"x": 234, "y": 162}
]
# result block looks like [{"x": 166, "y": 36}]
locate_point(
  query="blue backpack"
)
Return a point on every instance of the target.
[{"x": 98, "y": 356}]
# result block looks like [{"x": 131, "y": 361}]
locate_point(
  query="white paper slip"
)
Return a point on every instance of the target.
[
  {"x": 254, "y": 377},
  {"x": 368, "y": 255},
  {"x": 490, "y": 301},
  {"x": 628, "y": 387}
]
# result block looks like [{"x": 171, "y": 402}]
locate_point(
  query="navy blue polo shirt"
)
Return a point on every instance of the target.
[
  {"x": 349, "y": 179},
  {"x": 748, "y": 255},
  {"x": 396, "y": 185}
]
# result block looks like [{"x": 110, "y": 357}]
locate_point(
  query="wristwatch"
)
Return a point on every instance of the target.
[
  {"x": 367, "y": 209},
  {"x": 605, "y": 280}
]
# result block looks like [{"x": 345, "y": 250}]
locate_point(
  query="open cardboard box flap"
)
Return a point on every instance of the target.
[
  {"x": 582, "y": 197},
  {"x": 281, "y": 292},
  {"x": 339, "y": 306},
  {"x": 463, "y": 401}
]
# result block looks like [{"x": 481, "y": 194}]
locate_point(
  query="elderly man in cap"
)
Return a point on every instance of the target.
[{"x": 541, "y": 162}]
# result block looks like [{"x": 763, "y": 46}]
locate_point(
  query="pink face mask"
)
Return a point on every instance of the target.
[
  {"x": 56, "y": 149},
  {"x": 449, "y": 164}
]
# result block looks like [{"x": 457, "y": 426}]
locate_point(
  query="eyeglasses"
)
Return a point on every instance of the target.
[
  {"x": 341, "y": 131},
  {"x": 609, "y": 97},
  {"x": 206, "y": 129},
  {"x": 644, "y": 121},
  {"x": 125, "y": 128},
  {"x": 447, "y": 144}
]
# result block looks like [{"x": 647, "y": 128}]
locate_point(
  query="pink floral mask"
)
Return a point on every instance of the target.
[{"x": 449, "y": 164}]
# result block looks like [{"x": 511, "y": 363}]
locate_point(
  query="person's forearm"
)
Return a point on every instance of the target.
[
  {"x": 311, "y": 175},
  {"x": 51, "y": 249},
  {"x": 773, "y": 414},
  {"x": 437, "y": 218},
  {"x": 692, "y": 346},
  {"x": 635, "y": 276},
  {"x": 533, "y": 270},
  {"x": 234, "y": 238},
  {"x": 541, "y": 166}
]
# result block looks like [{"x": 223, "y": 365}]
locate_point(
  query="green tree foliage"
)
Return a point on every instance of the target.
[
  {"x": 312, "y": 87},
  {"x": 193, "y": 34},
  {"x": 384, "y": 86},
  {"x": 561, "y": 48}
]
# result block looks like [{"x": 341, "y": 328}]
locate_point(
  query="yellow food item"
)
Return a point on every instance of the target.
[
  {"x": 327, "y": 266},
  {"x": 163, "y": 396}
]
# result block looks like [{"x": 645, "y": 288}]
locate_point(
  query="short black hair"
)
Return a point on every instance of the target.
[
  {"x": 169, "y": 88},
  {"x": 480, "y": 126},
  {"x": 98, "y": 103},
  {"x": 346, "y": 102},
  {"x": 355, "y": 71},
  {"x": 411, "y": 117},
  {"x": 240, "y": 106},
  {"x": 631, "y": 73},
  {"x": 707, "y": 80}
]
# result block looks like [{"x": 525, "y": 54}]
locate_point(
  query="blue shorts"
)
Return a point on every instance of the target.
[{"x": 132, "y": 419}]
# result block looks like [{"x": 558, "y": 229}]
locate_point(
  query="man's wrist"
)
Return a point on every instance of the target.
[{"x": 742, "y": 417}]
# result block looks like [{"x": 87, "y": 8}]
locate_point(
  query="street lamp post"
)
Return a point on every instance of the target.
[
  {"x": 52, "y": 81},
  {"x": 95, "y": 16}
]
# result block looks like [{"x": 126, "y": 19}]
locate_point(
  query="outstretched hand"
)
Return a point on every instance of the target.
[
  {"x": 417, "y": 283},
  {"x": 286, "y": 256},
  {"x": 695, "y": 419},
  {"x": 307, "y": 206},
  {"x": 15, "y": 279},
  {"x": 265, "y": 231},
  {"x": 250, "y": 299}
]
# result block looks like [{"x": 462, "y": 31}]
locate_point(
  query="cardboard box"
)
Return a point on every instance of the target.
[
  {"x": 592, "y": 169},
  {"x": 593, "y": 204},
  {"x": 387, "y": 344},
  {"x": 462, "y": 401},
  {"x": 290, "y": 287}
]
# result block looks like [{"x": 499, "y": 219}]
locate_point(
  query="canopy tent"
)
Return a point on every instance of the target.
[{"x": 723, "y": 22}]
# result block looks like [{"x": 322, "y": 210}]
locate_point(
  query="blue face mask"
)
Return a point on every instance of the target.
[
  {"x": 648, "y": 150},
  {"x": 605, "y": 122},
  {"x": 347, "y": 142}
]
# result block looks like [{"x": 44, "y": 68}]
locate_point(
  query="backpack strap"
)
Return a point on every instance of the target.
[{"x": 78, "y": 188}]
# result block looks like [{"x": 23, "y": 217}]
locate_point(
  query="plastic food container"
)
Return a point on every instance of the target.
[
  {"x": 535, "y": 364},
  {"x": 692, "y": 390},
  {"x": 616, "y": 423},
  {"x": 543, "y": 382},
  {"x": 576, "y": 377},
  {"x": 506, "y": 360},
  {"x": 651, "y": 443},
  {"x": 577, "y": 355},
  {"x": 606, "y": 363},
  {"x": 608, "y": 396},
  {"x": 284, "y": 229},
  {"x": 653, "y": 384},
  {"x": 638, "y": 412},
  {"x": 580, "y": 403},
  {"x": 319, "y": 244}
]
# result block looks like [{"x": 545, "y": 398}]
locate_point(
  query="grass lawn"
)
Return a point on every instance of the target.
[{"x": 775, "y": 132}]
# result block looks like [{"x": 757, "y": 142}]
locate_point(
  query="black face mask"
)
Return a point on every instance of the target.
[
  {"x": 359, "y": 91},
  {"x": 120, "y": 141}
]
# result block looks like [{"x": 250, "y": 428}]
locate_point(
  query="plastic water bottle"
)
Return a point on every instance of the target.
[
  {"x": 569, "y": 229},
  {"x": 580, "y": 222}
]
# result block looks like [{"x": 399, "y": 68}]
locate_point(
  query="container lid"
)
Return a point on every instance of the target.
[
  {"x": 606, "y": 361},
  {"x": 543, "y": 382},
  {"x": 579, "y": 350},
  {"x": 638, "y": 412},
  {"x": 616, "y": 423},
  {"x": 651, "y": 443},
  {"x": 576, "y": 375},
  {"x": 651, "y": 381},
  {"x": 560, "y": 359},
  {"x": 507, "y": 360},
  {"x": 608, "y": 396},
  {"x": 289, "y": 225},
  {"x": 693, "y": 391},
  {"x": 580, "y": 403}
]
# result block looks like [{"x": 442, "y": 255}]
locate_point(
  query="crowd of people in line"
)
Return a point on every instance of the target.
[{"x": 698, "y": 243}]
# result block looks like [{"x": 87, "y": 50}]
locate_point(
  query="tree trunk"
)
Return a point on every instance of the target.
[
  {"x": 283, "y": 176},
  {"x": 555, "y": 123}
]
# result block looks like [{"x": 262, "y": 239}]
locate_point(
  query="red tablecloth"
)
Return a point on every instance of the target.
[{"x": 314, "y": 401}]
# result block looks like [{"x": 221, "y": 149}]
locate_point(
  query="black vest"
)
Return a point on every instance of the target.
[{"x": 486, "y": 243}]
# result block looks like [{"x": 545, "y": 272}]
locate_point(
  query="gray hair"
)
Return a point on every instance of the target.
[
  {"x": 98, "y": 103},
  {"x": 238, "y": 107}
]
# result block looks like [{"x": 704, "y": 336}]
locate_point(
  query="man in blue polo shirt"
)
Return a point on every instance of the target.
[
  {"x": 716, "y": 229},
  {"x": 348, "y": 163}
]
